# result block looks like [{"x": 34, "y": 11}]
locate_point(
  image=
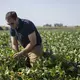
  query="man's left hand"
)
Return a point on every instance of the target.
[{"x": 18, "y": 55}]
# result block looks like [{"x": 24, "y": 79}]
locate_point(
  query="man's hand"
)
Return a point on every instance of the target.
[{"x": 18, "y": 55}]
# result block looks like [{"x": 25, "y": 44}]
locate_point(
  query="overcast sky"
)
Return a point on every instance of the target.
[{"x": 43, "y": 11}]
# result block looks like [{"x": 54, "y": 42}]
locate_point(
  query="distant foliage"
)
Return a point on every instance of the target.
[
  {"x": 4, "y": 28},
  {"x": 47, "y": 25},
  {"x": 58, "y": 25},
  {"x": 1, "y": 28},
  {"x": 77, "y": 26}
]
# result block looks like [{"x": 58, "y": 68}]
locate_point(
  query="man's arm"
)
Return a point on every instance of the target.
[
  {"x": 14, "y": 44},
  {"x": 29, "y": 47}
]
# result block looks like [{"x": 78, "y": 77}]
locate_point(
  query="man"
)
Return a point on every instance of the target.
[{"x": 25, "y": 32}]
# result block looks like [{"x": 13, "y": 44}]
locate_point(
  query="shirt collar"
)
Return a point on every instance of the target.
[{"x": 20, "y": 23}]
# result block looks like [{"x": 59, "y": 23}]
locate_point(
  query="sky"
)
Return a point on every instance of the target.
[{"x": 42, "y": 12}]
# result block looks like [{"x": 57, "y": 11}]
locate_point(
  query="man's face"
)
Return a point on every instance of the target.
[{"x": 13, "y": 23}]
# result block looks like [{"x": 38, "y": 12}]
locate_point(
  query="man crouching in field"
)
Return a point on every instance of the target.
[{"x": 25, "y": 32}]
